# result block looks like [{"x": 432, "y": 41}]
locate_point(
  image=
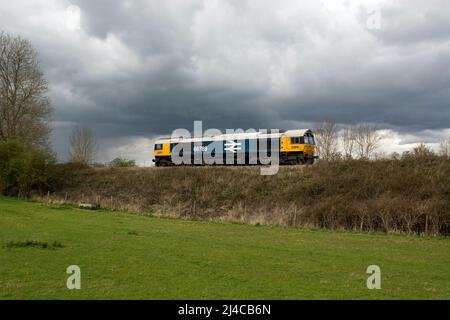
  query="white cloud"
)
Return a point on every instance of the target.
[{"x": 73, "y": 18}]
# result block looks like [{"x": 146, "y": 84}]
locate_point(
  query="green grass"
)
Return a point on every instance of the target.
[{"x": 123, "y": 256}]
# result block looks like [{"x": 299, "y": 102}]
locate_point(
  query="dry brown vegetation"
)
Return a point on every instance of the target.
[{"x": 410, "y": 195}]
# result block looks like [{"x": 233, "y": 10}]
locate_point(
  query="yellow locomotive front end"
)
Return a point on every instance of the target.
[
  {"x": 297, "y": 147},
  {"x": 161, "y": 152}
]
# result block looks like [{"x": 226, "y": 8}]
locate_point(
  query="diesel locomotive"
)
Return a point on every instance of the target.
[{"x": 291, "y": 146}]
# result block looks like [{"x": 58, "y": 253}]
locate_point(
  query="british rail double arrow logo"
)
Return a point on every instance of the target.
[{"x": 232, "y": 146}]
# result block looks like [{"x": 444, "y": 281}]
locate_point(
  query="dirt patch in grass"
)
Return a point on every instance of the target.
[{"x": 33, "y": 244}]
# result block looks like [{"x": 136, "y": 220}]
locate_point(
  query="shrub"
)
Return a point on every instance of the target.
[
  {"x": 122, "y": 163},
  {"x": 422, "y": 151},
  {"x": 24, "y": 168}
]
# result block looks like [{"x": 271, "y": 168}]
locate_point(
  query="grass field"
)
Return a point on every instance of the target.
[{"x": 122, "y": 255}]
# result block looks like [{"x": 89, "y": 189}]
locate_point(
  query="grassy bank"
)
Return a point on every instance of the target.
[
  {"x": 130, "y": 256},
  {"x": 410, "y": 195}
]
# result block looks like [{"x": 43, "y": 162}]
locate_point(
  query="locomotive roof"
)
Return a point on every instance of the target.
[{"x": 237, "y": 136}]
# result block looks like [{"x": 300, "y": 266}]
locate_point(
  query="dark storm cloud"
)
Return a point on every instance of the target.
[
  {"x": 144, "y": 68},
  {"x": 149, "y": 27},
  {"x": 339, "y": 69}
]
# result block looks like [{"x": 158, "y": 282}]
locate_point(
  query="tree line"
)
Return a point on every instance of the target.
[
  {"x": 25, "y": 154},
  {"x": 360, "y": 141},
  {"x": 27, "y": 161}
]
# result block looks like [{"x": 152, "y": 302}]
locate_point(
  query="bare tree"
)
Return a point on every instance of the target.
[
  {"x": 348, "y": 141},
  {"x": 444, "y": 148},
  {"x": 83, "y": 145},
  {"x": 366, "y": 140},
  {"x": 326, "y": 139},
  {"x": 422, "y": 150},
  {"x": 24, "y": 107}
]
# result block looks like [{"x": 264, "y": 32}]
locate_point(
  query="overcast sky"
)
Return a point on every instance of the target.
[{"x": 133, "y": 70}]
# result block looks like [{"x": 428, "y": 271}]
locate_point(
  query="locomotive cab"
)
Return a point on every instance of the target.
[
  {"x": 298, "y": 146},
  {"x": 161, "y": 151}
]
